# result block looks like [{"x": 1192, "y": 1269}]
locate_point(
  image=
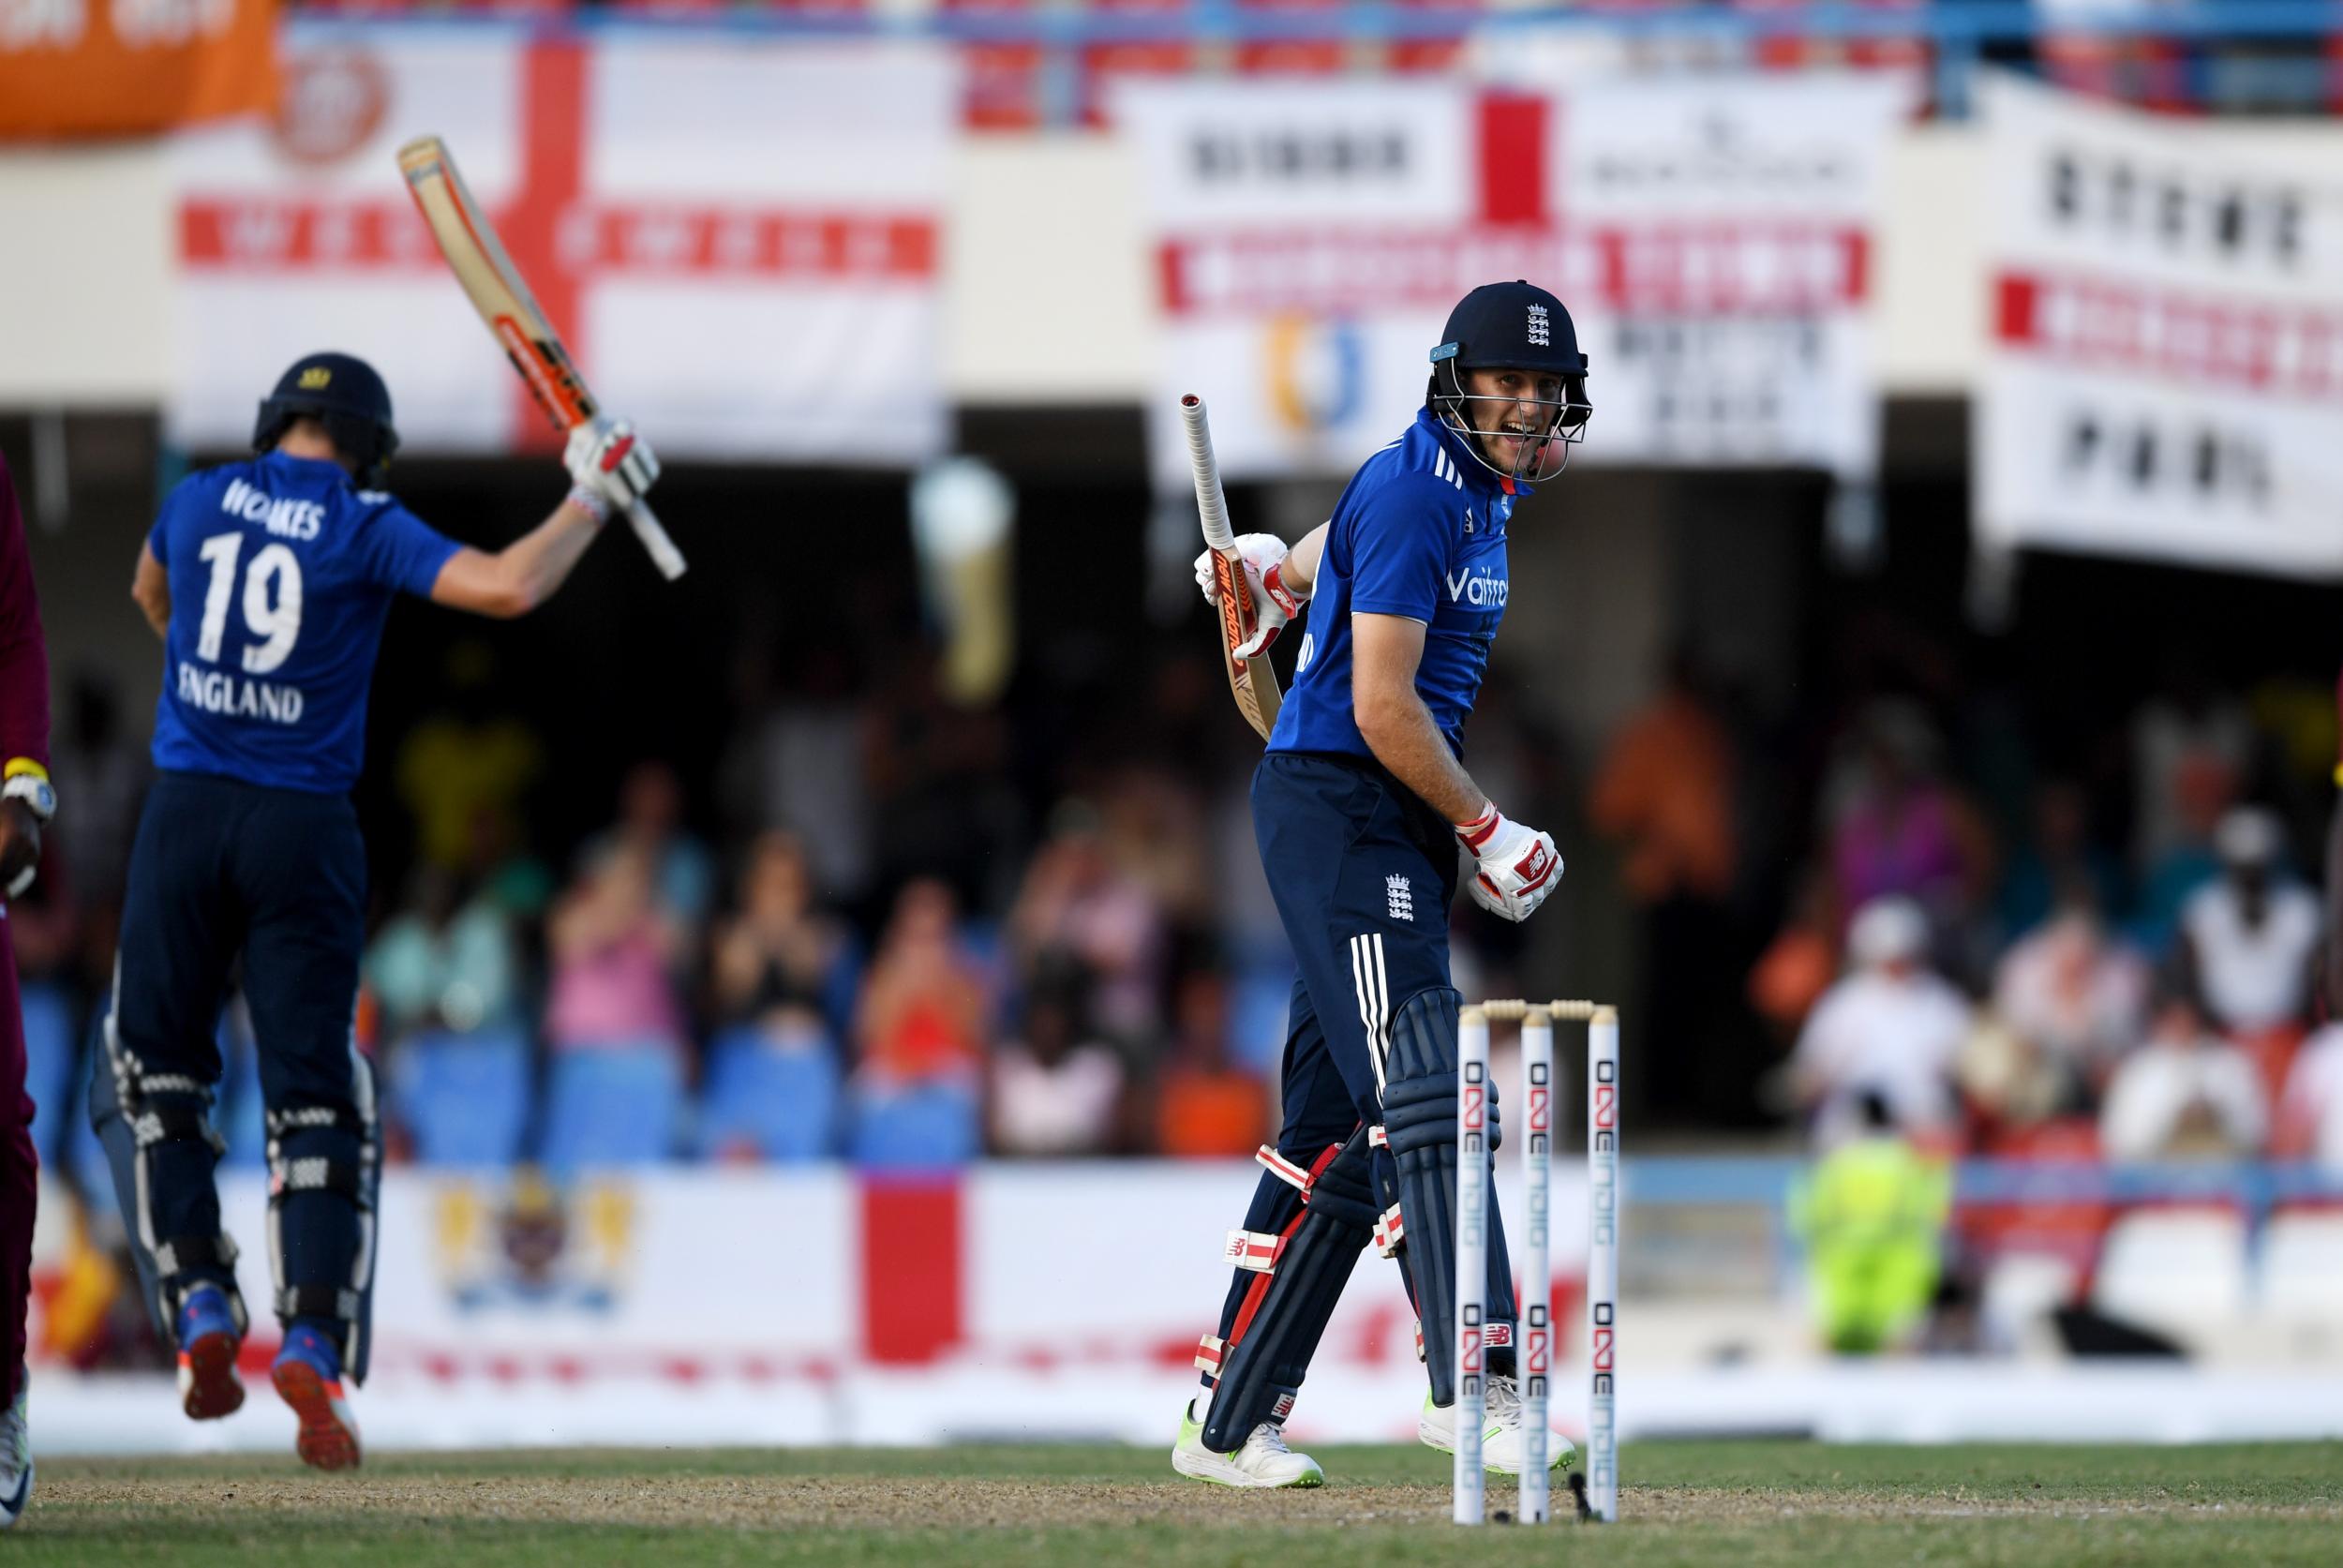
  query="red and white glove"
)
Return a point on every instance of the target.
[
  {"x": 1518, "y": 865},
  {"x": 608, "y": 460},
  {"x": 1274, "y": 602}
]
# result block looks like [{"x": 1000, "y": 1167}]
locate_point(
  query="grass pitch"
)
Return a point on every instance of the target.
[{"x": 1744, "y": 1503}]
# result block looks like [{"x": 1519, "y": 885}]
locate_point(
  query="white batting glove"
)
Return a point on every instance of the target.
[
  {"x": 1516, "y": 865},
  {"x": 1275, "y": 603},
  {"x": 604, "y": 455}
]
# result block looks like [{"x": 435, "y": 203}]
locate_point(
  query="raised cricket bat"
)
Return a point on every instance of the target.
[
  {"x": 501, "y": 296},
  {"x": 1252, "y": 682}
]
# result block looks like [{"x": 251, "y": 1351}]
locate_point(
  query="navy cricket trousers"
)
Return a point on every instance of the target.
[{"x": 222, "y": 871}]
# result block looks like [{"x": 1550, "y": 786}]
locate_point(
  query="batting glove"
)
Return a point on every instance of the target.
[
  {"x": 1274, "y": 602},
  {"x": 1517, "y": 866},
  {"x": 607, "y": 457}
]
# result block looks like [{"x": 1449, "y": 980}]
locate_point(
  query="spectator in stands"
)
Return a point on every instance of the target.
[
  {"x": 105, "y": 769},
  {"x": 2074, "y": 997},
  {"x": 1871, "y": 1214},
  {"x": 1205, "y": 1105},
  {"x": 444, "y": 963},
  {"x": 783, "y": 967},
  {"x": 2310, "y": 1113},
  {"x": 2247, "y": 941},
  {"x": 1077, "y": 902},
  {"x": 2190, "y": 744},
  {"x": 2059, "y": 862},
  {"x": 472, "y": 760},
  {"x": 651, "y": 815},
  {"x": 1665, "y": 789},
  {"x": 923, "y": 1008},
  {"x": 1898, "y": 830},
  {"x": 1893, "y": 1028},
  {"x": 1057, "y": 1089},
  {"x": 613, "y": 949},
  {"x": 796, "y": 762},
  {"x": 2189, "y": 863},
  {"x": 2185, "y": 1092}
]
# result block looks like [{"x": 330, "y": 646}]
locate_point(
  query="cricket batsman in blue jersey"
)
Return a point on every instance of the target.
[
  {"x": 1359, "y": 809},
  {"x": 269, "y": 581}
]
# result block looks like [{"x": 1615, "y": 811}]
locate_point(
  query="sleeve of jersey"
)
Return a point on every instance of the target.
[
  {"x": 405, "y": 552},
  {"x": 1400, "y": 542}
]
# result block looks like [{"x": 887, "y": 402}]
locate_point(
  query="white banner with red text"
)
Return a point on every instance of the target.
[
  {"x": 739, "y": 242},
  {"x": 2165, "y": 376},
  {"x": 818, "y": 1306},
  {"x": 1713, "y": 239}
]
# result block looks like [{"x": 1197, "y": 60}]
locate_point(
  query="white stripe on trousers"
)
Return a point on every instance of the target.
[{"x": 1374, "y": 988}]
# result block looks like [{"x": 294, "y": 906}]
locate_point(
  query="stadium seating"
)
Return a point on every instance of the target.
[
  {"x": 2301, "y": 1269},
  {"x": 2175, "y": 1270},
  {"x": 612, "y": 1105},
  {"x": 463, "y": 1098},
  {"x": 921, "y": 1126},
  {"x": 771, "y": 1103}
]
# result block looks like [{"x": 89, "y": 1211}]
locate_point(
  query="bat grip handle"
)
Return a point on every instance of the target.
[
  {"x": 661, "y": 550},
  {"x": 1212, "y": 504}
]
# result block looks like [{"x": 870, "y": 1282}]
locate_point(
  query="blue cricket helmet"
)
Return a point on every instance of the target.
[
  {"x": 1516, "y": 325},
  {"x": 348, "y": 395},
  {"x": 1512, "y": 327}
]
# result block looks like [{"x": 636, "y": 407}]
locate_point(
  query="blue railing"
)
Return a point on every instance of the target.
[{"x": 1958, "y": 33}]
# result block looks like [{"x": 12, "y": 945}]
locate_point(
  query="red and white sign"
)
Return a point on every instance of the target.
[
  {"x": 2165, "y": 375},
  {"x": 1712, "y": 240},
  {"x": 741, "y": 243}
]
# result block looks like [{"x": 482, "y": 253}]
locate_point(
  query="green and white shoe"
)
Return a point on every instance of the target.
[
  {"x": 1503, "y": 1439},
  {"x": 1263, "y": 1461}
]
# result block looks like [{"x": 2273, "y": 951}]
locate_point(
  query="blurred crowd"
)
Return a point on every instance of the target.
[
  {"x": 2004, "y": 984},
  {"x": 883, "y": 930},
  {"x": 1014, "y": 84}
]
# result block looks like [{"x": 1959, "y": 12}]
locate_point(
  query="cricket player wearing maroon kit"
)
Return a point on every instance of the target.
[{"x": 26, "y": 802}]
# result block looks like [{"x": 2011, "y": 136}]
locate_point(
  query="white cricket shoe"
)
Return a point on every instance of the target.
[
  {"x": 1502, "y": 1440},
  {"x": 1263, "y": 1461},
  {"x": 16, "y": 1456}
]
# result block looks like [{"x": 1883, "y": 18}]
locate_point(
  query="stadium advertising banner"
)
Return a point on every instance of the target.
[
  {"x": 1714, "y": 240},
  {"x": 2164, "y": 375},
  {"x": 82, "y": 67},
  {"x": 782, "y": 305}
]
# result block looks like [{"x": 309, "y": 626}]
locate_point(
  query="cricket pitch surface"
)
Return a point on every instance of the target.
[{"x": 1744, "y": 1503}]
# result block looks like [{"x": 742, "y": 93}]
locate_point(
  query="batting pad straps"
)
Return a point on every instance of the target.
[
  {"x": 1256, "y": 1251},
  {"x": 317, "y": 1301},
  {"x": 1284, "y": 1313},
  {"x": 1390, "y": 1230}
]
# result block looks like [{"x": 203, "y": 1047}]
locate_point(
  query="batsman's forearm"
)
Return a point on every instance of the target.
[
  {"x": 1400, "y": 732},
  {"x": 542, "y": 559}
]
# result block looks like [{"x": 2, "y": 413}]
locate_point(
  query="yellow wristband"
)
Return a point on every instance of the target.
[{"x": 22, "y": 765}]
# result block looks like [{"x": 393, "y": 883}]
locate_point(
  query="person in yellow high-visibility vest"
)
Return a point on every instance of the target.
[{"x": 1872, "y": 1215}]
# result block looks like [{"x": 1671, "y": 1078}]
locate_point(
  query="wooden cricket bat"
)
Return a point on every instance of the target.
[
  {"x": 501, "y": 296},
  {"x": 1252, "y": 682}
]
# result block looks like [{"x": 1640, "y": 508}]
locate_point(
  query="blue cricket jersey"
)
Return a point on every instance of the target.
[
  {"x": 281, "y": 575},
  {"x": 1419, "y": 532}
]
